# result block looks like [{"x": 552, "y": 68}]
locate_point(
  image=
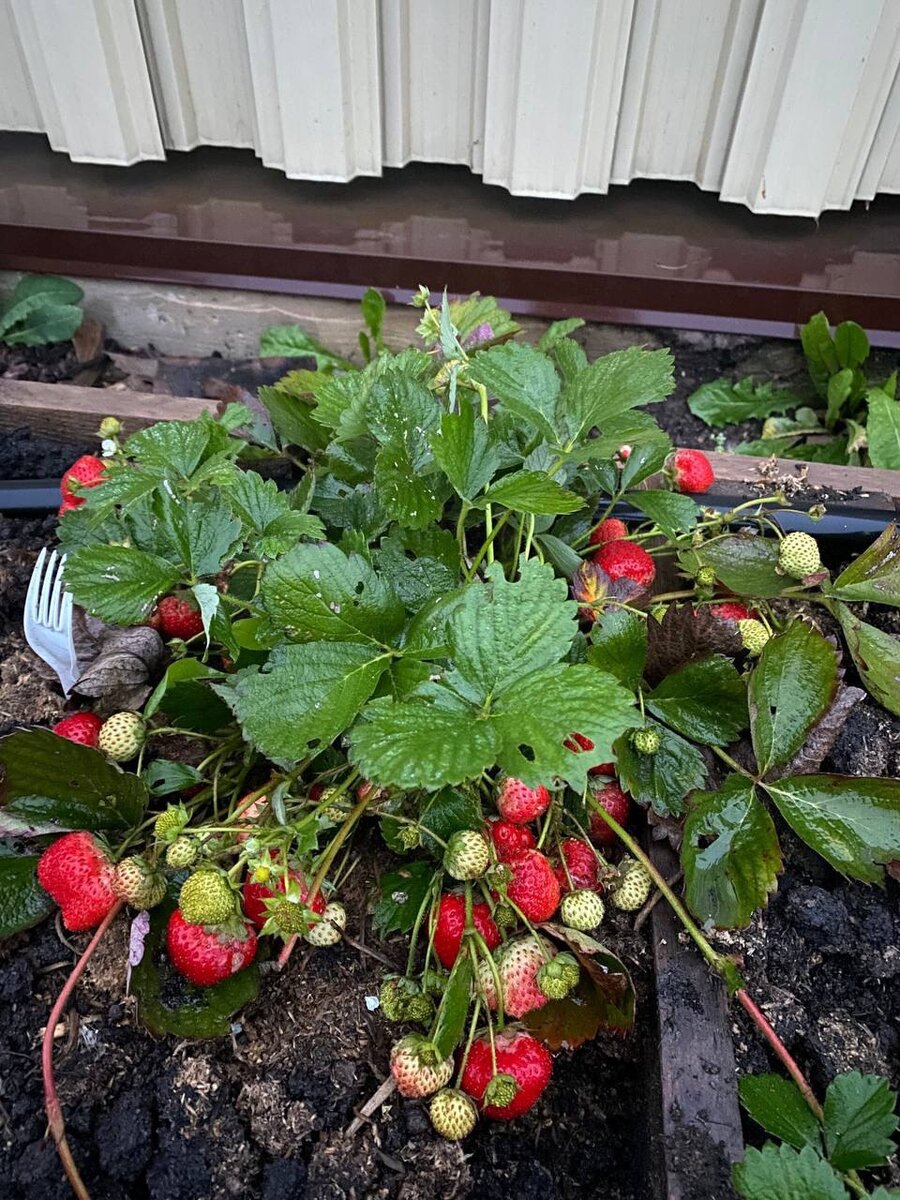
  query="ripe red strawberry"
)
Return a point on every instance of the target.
[
  {"x": 450, "y": 922},
  {"x": 509, "y": 840},
  {"x": 204, "y": 955},
  {"x": 69, "y": 502},
  {"x": 520, "y": 804},
  {"x": 78, "y": 875},
  {"x": 179, "y": 617},
  {"x": 731, "y": 610},
  {"x": 534, "y": 889},
  {"x": 625, "y": 560},
  {"x": 255, "y": 896},
  {"x": 610, "y": 530},
  {"x": 618, "y": 804},
  {"x": 85, "y": 472},
  {"x": 520, "y": 1056},
  {"x": 584, "y": 870},
  {"x": 82, "y": 727},
  {"x": 691, "y": 471}
]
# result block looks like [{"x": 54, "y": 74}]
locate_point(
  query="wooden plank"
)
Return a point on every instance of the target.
[
  {"x": 65, "y": 411},
  {"x": 701, "y": 1120},
  {"x": 743, "y": 468}
]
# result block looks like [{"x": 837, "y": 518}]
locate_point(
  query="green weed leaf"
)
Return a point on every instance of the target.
[
  {"x": 721, "y": 403},
  {"x": 883, "y": 430}
]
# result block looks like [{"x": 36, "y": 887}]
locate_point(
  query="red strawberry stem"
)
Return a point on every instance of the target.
[
  {"x": 53, "y": 1108},
  {"x": 330, "y": 854},
  {"x": 723, "y": 966}
]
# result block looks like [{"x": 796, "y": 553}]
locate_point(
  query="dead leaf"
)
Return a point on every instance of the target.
[
  {"x": 823, "y": 734},
  {"x": 88, "y": 340},
  {"x": 120, "y": 665},
  {"x": 685, "y": 634}
]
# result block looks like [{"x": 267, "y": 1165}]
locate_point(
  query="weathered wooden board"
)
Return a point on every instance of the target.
[{"x": 701, "y": 1121}]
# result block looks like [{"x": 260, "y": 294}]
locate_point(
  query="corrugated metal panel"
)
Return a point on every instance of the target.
[{"x": 787, "y": 106}]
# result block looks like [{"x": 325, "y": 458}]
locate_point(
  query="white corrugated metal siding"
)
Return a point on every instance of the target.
[{"x": 787, "y": 106}]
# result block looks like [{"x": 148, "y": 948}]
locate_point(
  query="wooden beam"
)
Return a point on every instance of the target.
[
  {"x": 67, "y": 412},
  {"x": 742, "y": 468}
]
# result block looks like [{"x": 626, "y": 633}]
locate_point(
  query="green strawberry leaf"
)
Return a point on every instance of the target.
[
  {"x": 266, "y": 512},
  {"x": 744, "y": 562},
  {"x": 664, "y": 779},
  {"x": 304, "y": 697},
  {"x": 783, "y": 1173},
  {"x": 464, "y": 451},
  {"x": 48, "y": 779},
  {"x": 673, "y": 513},
  {"x": 293, "y": 417},
  {"x": 619, "y": 646},
  {"x": 23, "y": 902},
  {"x": 612, "y": 385},
  {"x": 164, "y": 776},
  {"x": 875, "y": 575},
  {"x": 447, "y": 812},
  {"x": 730, "y": 855},
  {"x": 316, "y": 593},
  {"x": 415, "y": 744},
  {"x": 168, "y": 1004},
  {"x": 454, "y": 1007},
  {"x": 791, "y": 688},
  {"x": 199, "y": 535},
  {"x": 177, "y": 447},
  {"x": 705, "y": 700},
  {"x": 876, "y": 655},
  {"x": 184, "y": 695},
  {"x": 402, "y": 415},
  {"x": 777, "y": 1105},
  {"x": 118, "y": 583},
  {"x": 556, "y": 331},
  {"x": 531, "y": 492},
  {"x": 523, "y": 381},
  {"x": 415, "y": 580},
  {"x": 403, "y": 893},
  {"x": 853, "y": 823},
  {"x": 859, "y": 1121}
]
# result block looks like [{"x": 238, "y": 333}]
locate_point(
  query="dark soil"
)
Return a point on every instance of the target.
[{"x": 262, "y": 1115}]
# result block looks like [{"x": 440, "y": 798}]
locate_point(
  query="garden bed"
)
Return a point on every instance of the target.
[{"x": 264, "y": 1114}]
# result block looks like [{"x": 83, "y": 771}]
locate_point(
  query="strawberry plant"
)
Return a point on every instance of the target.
[
  {"x": 842, "y": 417},
  {"x": 440, "y": 626}
]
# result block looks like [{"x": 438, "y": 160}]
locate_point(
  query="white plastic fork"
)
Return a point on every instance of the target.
[{"x": 48, "y": 618}]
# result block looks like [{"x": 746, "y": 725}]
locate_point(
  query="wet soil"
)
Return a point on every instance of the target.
[{"x": 262, "y": 1114}]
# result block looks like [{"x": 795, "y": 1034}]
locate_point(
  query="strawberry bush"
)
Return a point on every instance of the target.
[{"x": 440, "y": 623}]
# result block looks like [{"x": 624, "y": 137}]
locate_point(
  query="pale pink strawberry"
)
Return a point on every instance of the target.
[{"x": 517, "y": 965}]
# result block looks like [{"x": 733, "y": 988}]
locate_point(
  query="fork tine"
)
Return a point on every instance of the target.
[
  {"x": 34, "y": 585},
  {"x": 55, "y": 609},
  {"x": 47, "y": 589},
  {"x": 65, "y": 613}
]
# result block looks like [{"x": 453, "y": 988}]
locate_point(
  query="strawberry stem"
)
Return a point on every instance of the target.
[
  {"x": 52, "y": 1106},
  {"x": 761, "y": 1022}
]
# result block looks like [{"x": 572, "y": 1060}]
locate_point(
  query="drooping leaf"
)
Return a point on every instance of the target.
[
  {"x": 876, "y": 655},
  {"x": 604, "y": 999},
  {"x": 744, "y": 562},
  {"x": 875, "y": 575},
  {"x": 167, "y": 1004},
  {"x": 777, "y": 1105},
  {"x": 721, "y": 403},
  {"x": 673, "y": 513},
  {"x": 523, "y": 381},
  {"x": 619, "y": 645},
  {"x": 859, "y": 1121},
  {"x": 531, "y": 492},
  {"x": 403, "y": 893},
  {"x": 50, "y": 779},
  {"x": 316, "y": 592},
  {"x": 118, "y": 583},
  {"x": 454, "y": 1007},
  {"x": 23, "y": 902},
  {"x": 304, "y": 697},
  {"x": 730, "y": 854},
  {"x": 705, "y": 700},
  {"x": 853, "y": 823},
  {"x": 186, "y": 698},
  {"x": 883, "y": 430},
  {"x": 791, "y": 688},
  {"x": 783, "y": 1173},
  {"x": 293, "y": 418},
  {"x": 662, "y": 780}
]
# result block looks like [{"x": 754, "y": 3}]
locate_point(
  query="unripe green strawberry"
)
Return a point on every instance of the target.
[
  {"x": 328, "y": 930},
  {"x": 182, "y": 853},
  {"x": 646, "y": 741},
  {"x": 453, "y": 1114},
  {"x": 206, "y": 898},
  {"x": 288, "y": 916},
  {"x": 170, "y": 823},
  {"x": 706, "y": 577},
  {"x": 336, "y": 812},
  {"x": 408, "y": 837},
  {"x": 505, "y": 916},
  {"x": 468, "y": 854},
  {"x": 419, "y": 1008},
  {"x": 568, "y": 966},
  {"x": 110, "y": 427},
  {"x": 391, "y": 1000},
  {"x": 417, "y": 1067},
  {"x": 582, "y": 909},
  {"x": 136, "y": 883},
  {"x": 798, "y": 555},
  {"x": 634, "y": 886},
  {"x": 122, "y": 736},
  {"x": 754, "y": 635},
  {"x": 552, "y": 982},
  {"x": 501, "y": 1090}
]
